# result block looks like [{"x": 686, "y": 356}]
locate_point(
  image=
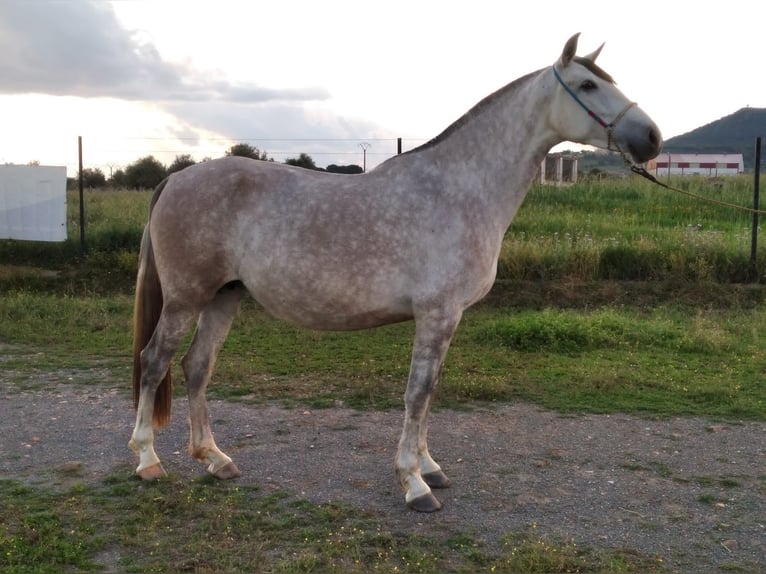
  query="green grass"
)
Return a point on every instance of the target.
[
  {"x": 660, "y": 362},
  {"x": 631, "y": 230},
  {"x": 210, "y": 526},
  {"x": 612, "y": 296},
  {"x": 663, "y": 361},
  {"x": 615, "y": 229},
  {"x": 44, "y": 532}
]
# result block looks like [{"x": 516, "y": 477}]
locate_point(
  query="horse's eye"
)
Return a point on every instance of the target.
[{"x": 588, "y": 86}]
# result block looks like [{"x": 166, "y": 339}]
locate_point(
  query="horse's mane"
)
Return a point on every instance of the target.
[
  {"x": 475, "y": 110},
  {"x": 504, "y": 91}
]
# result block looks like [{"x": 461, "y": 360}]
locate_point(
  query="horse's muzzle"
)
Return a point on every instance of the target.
[{"x": 644, "y": 143}]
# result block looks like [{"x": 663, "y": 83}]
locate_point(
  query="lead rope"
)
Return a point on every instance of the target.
[
  {"x": 640, "y": 170},
  {"x": 611, "y": 143}
]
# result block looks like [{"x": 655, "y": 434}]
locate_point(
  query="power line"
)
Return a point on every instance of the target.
[
  {"x": 208, "y": 149},
  {"x": 261, "y": 139}
]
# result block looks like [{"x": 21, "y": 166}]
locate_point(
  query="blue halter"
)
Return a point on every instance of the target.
[
  {"x": 591, "y": 113},
  {"x": 609, "y": 127}
]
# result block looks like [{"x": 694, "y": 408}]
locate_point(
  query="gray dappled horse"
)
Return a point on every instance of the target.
[{"x": 416, "y": 238}]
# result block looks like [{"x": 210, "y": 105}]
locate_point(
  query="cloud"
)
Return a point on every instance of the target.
[
  {"x": 285, "y": 120},
  {"x": 80, "y": 49},
  {"x": 299, "y": 128}
]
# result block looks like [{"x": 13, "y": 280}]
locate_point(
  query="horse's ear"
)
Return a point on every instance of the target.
[
  {"x": 594, "y": 54},
  {"x": 570, "y": 49}
]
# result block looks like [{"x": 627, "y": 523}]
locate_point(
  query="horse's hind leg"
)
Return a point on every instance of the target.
[
  {"x": 155, "y": 362},
  {"x": 214, "y": 324}
]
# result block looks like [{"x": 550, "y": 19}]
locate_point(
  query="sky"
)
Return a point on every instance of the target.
[{"x": 170, "y": 77}]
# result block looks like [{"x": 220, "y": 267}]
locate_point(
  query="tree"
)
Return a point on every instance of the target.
[
  {"x": 349, "y": 169},
  {"x": 118, "y": 179},
  {"x": 181, "y": 162},
  {"x": 144, "y": 173},
  {"x": 92, "y": 177},
  {"x": 303, "y": 160},
  {"x": 246, "y": 150}
]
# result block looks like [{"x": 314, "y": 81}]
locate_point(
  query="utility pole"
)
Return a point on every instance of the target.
[{"x": 365, "y": 146}]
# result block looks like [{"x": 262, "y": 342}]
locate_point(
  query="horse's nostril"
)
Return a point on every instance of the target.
[{"x": 654, "y": 137}]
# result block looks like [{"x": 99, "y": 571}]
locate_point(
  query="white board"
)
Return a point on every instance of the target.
[{"x": 33, "y": 202}]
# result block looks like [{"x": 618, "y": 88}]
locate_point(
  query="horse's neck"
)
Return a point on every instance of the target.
[{"x": 493, "y": 156}]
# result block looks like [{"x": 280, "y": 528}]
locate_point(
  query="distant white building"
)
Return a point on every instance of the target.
[
  {"x": 708, "y": 164},
  {"x": 33, "y": 202},
  {"x": 558, "y": 169}
]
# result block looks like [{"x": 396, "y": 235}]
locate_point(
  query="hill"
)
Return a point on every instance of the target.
[{"x": 734, "y": 133}]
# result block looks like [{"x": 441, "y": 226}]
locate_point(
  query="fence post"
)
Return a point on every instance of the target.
[
  {"x": 83, "y": 247},
  {"x": 756, "y": 191}
]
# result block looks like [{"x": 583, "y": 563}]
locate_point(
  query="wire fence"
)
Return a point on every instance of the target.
[{"x": 112, "y": 155}]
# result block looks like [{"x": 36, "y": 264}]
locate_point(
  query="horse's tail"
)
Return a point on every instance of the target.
[{"x": 146, "y": 314}]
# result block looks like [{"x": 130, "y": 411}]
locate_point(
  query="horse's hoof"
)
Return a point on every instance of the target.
[
  {"x": 151, "y": 472},
  {"x": 227, "y": 472},
  {"x": 437, "y": 479},
  {"x": 425, "y": 503}
]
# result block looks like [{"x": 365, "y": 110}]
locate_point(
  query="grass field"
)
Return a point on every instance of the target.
[
  {"x": 640, "y": 290},
  {"x": 209, "y": 526},
  {"x": 632, "y": 230},
  {"x": 611, "y": 296},
  {"x": 618, "y": 229}
]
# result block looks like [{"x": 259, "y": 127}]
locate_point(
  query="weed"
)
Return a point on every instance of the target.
[
  {"x": 532, "y": 552},
  {"x": 729, "y": 482},
  {"x": 42, "y": 532},
  {"x": 708, "y": 499},
  {"x": 662, "y": 469},
  {"x": 208, "y": 526}
]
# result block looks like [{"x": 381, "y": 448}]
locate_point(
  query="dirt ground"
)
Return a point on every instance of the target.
[{"x": 687, "y": 490}]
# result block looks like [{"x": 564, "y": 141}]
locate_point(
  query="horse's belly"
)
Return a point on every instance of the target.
[
  {"x": 340, "y": 322},
  {"x": 351, "y": 308},
  {"x": 334, "y": 319}
]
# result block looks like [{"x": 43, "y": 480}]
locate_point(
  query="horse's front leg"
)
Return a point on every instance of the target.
[
  {"x": 430, "y": 471},
  {"x": 416, "y": 470}
]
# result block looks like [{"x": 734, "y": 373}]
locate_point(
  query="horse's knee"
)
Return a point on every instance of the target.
[{"x": 195, "y": 368}]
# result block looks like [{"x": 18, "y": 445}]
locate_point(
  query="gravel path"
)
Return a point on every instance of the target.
[{"x": 689, "y": 490}]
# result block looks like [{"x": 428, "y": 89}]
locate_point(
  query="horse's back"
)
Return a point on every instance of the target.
[
  {"x": 327, "y": 251},
  {"x": 308, "y": 246}
]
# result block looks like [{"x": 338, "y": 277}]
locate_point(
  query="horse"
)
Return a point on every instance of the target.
[{"x": 416, "y": 238}]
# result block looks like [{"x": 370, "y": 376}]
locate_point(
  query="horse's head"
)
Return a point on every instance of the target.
[{"x": 589, "y": 109}]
